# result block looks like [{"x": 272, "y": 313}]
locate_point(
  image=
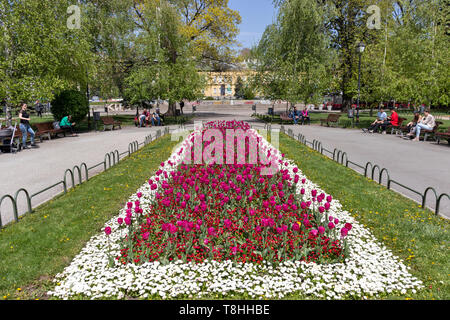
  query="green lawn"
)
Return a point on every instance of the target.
[
  {"x": 44, "y": 242},
  {"x": 417, "y": 236}
]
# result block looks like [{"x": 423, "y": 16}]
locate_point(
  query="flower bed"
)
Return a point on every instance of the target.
[{"x": 220, "y": 230}]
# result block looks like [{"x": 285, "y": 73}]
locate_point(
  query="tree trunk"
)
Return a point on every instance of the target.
[{"x": 172, "y": 109}]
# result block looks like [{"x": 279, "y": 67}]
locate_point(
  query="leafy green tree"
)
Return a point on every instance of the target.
[
  {"x": 293, "y": 59},
  {"x": 41, "y": 55},
  {"x": 168, "y": 70},
  {"x": 70, "y": 102},
  {"x": 239, "y": 88}
]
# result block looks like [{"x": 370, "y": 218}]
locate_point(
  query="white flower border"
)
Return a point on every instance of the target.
[{"x": 370, "y": 269}]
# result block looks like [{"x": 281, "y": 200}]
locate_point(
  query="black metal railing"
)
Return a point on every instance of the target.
[{"x": 110, "y": 160}]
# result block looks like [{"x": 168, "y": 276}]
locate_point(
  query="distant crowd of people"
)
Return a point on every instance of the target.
[{"x": 145, "y": 118}]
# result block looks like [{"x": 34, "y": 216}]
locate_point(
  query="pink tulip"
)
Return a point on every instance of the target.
[
  {"x": 321, "y": 230},
  {"x": 108, "y": 231}
]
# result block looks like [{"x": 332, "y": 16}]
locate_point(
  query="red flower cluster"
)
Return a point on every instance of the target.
[{"x": 221, "y": 212}]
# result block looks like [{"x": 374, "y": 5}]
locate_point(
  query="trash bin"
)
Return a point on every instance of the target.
[
  {"x": 177, "y": 112},
  {"x": 254, "y": 107},
  {"x": 270, "y": 111},
  {"x": 96, "y": 116}
]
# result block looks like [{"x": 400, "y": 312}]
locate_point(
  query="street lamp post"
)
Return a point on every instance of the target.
[{"x": 360, "y": 49}]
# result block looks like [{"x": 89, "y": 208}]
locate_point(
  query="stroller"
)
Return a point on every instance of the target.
[{"x": 7, "y": 139}]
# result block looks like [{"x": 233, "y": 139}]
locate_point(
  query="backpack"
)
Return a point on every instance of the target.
[{"x": 56, "y": 125}]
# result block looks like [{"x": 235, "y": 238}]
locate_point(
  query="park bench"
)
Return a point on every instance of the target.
[
  {"x": 443, "y": 135},
  {"x": 331, "y": 119},
  {"x": 430, "y": 133},
  {"x": 284, "y": 117},
  {"x": 46, "y": 129},
  {"x": 109, "y": 123},
  {"x": 396, "y": 128}
]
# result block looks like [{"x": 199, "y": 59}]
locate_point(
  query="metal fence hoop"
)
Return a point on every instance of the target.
[
  {"x": 388, "y": 177},
  {"x": 16, "y": 216},
  {"x": 366, "y": 168},
  {"x": 334, "y": 153},
  {"x": 65, "y": 181},
  {"x": 107, "y": 155},
  {"x": 27, "y": 194},
  {"x": 425, "y": 194},
  {"x": 438, "y": 202},
  {"x": 86, "y": 170},
  {"x": 115, "y": 157},
  {"x": 80, "y": 179},
  {"x": 346, "y": 159},
  {"x": 373, "y": 170}
]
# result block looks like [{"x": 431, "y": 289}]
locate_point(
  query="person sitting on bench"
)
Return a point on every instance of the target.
[
  {"x": 144, "y": 118},
  {"x": 427, "y": 123},
  {"x": 295, "y": 115},
  {"x": 305, "y": 116},
  {"x": 156, "y": 118},
  {"x": 392, "y": 120},
  {"x": 381, "y": 119},
  {"x": 411, "y": 126},
  {"x": 67, "y": 125}
]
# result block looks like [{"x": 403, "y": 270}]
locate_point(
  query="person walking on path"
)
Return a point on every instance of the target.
[
  {"x": 25, "y": 127},
  {"x": 67, "y": 125},
  {"x": 181, "y": 106},
  {"x": 39, "y": 108}
]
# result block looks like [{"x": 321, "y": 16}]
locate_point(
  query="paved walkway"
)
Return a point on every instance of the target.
[{"x": 36, "y": 169}]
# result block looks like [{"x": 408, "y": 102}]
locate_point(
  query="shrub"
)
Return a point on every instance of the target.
[{"x": 70, "y": 102}]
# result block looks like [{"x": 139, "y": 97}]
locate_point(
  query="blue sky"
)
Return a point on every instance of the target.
[{"x": 256, "y": 16}]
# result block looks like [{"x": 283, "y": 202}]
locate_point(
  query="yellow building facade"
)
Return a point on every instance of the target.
[{"x": 222, "y": 85}]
